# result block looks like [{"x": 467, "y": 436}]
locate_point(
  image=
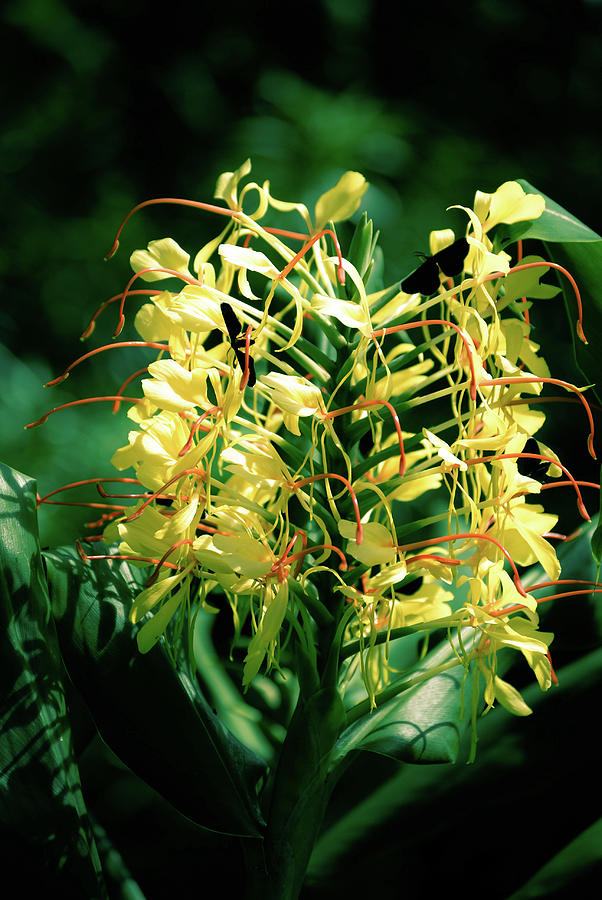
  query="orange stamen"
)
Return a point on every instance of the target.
[
  {"x": 161, "y": 562},
  {"x": 125, "y": 384},
  {"x": 359, "y": 535},
  {"x": 75, "y": 484},
  {"x": 409, "y": 325},
  {"x": 442, "y": 559},
  {"x": 361, "y": 405},
  {"x": 289, "y": 547},
  {"x": 306, "y": 550},
  {"x": 86, "y": 558},
  {"x": 559, "y": 268},
  {"x": 80, "y": 402},
  {"x": 564, "y": 384},
  {"x": 187, "y": 278},
  {"x": 198, "y": 426},
  {"x": 519, "y": 606},
  {"x": 480, "y": 459},
  {"x": 198, "y": 205},
  {"x": 307, "y": 246},
  {"x": 151, "y": 344},
  {"x": 161, "y": 490},
  {"x": 471, "y": 535},
  {"x": 555, "y": 484},
  {"x": 209, "y": 207},
  {"x": 92, "y": 323}
]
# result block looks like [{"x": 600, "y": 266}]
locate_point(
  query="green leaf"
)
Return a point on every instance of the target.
[
  {"x": 596, "y": 541},
  {"x": 555, "y": 224},
  {"x": 584, "y": 262},
  {"x": 575, "y": 868},
  {"x": 407, "y": 814},
  {"x": 153, "y": 718},
  {"x": 422, "y": 724},
  {"x": 42, "y": 811}
]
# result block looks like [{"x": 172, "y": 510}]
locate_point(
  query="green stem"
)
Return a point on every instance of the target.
[{"x": 300, "y": 791}]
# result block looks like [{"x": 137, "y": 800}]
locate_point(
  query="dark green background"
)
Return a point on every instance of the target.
[{"x": 107, "y": 104}]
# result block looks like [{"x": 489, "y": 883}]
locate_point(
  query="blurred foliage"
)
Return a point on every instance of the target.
[{"x": 108, "y": 105}]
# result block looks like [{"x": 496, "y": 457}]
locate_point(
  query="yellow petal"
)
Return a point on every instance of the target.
[
  {"x": 341, "y": 201},
  {"x": 152, "y": 630},
  {"x": 350, "y": 314},
  {"x": 227, "y": 184},
  {"x": 268, "y": 631},
  {"x": 164, "y": 253},
  {"x": 247, "y": 258},
  {"x": 510, "y": 698},
  {"x": 511, "y": 204}
]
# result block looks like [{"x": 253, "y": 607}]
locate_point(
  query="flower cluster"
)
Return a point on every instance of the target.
[{"x": 271, "y": 444}]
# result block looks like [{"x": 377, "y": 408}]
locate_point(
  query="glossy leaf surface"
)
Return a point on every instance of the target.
[{"x": 154, "y": 720}]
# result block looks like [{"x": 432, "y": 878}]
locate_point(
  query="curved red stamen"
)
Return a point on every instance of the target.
[
  {"x": 559, "y": 268},
  {"x": 307, "y": 246},
  {"x": 409, "y": 325},
  {"x": 125, "y": 384},
  {"x": 76, "y": 484},
  {"x": 174, "y": 272},
  {"x": 289, "y": 547},
  {"x": 102, "y": 521},
  {"x": 209, "y": 207},
  {"x": 359, "y": 534},
  {"x": 519, "y": 606},
  {"x": 161, "y": 490},
  {"x": 555, "y": 484},
  {"x": 365, "y": 588},
  {"x": 442, "y": 559},
  {"x": 294, "y": 235},
  {"x": 481, "y": 459},
  {"x": 109, "y": 496},
  {"x": 565, "y": 384},
  {"x": 470, "y": 535},
  {"x": 545, "y": 584},
  {"x": 83, "y": 503},
  {"x": 361, "y": 405},
  {"x": 306, "y": 550},
  {"x": 198, "y": 426},
  {"x": 79, "y": 403},
  {"x": 151, "y": 344},
  {"x": 161, "y": 562},
  {"x": 86, "y": 557},
  {"x": 92, "y": 323}
]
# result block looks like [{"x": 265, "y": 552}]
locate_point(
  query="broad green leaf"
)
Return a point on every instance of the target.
[
  {"x": 555, "y": 224},
  {"x": 422, "y": 724},
  {"x": 154, "y": 719},
  {"x": 575, "y": 869},
  {"x": 584, "y": 262},
  {"x": 596, "y": 540},
  {"x": 42, "y": 811},
  {"x": 415, "y": 813}
]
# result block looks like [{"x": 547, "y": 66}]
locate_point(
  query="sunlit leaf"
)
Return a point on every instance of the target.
[
  {"x": 153, "y": 718},
  {"x": 42, "y": 811}
]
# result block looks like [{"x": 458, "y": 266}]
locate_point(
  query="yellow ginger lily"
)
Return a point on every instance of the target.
[{"x": 243, "y": 498}]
